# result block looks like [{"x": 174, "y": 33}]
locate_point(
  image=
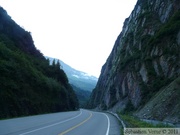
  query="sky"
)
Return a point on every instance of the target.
[{"x": 81, "y": 33}]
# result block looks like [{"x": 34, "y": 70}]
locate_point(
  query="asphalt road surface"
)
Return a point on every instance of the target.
[{"x": 82, "y": 122}]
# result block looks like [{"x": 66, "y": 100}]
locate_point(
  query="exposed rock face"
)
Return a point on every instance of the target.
[{"x": 145, "y": 56}]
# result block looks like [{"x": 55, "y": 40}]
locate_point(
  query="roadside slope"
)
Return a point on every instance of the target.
[{"x": 164, "y": 106}]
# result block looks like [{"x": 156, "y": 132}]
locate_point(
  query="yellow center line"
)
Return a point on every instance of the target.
[{"x": 68, "y": 130}]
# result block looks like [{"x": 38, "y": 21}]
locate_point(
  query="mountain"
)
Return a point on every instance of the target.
[
  {"x": 144, "y": 64},
  {"x": 81, "y": 82},
  {"x": 82, "y": 95},
  {"x": 78, "y": 78},
  {"x": 29, "y": 85}
]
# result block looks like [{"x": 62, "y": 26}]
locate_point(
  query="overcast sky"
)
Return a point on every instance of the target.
[{"x": 79, "y": 32}]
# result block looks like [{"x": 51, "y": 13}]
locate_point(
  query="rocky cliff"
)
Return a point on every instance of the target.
[{"x": 145, "y": 57}]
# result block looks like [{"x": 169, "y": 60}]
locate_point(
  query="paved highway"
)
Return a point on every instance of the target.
[{"x": 83, "y": 122}]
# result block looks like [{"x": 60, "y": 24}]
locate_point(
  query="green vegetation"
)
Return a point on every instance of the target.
[
  {"x": 128, "y": 109},
  {"x": 133, "y": 122},
  {"x": 167, "y": 33},
  {"x": 82, "y": 95},
  {"x": 28, "y": 84},
  {"x": 128, "y": 60}
]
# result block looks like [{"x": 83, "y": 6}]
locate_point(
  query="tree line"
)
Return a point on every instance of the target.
[{"x": 28, "y": 83}]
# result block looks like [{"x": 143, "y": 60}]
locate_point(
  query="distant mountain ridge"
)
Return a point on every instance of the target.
[
  {"x": 78, "y": 78},
  {"x": 81, "y": 82}
]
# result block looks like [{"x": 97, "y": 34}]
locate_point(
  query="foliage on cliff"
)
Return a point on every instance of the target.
[{"x": 28, "y": 84}]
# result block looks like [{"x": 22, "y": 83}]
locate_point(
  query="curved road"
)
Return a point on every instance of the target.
[{"x": 83, "y": 122}]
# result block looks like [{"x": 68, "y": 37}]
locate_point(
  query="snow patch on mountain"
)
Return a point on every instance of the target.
[{"x": 78, "y": 78}]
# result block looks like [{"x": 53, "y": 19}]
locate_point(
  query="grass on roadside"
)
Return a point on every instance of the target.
[{"x": 132, "y": 122}]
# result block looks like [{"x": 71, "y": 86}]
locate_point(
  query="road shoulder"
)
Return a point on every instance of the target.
[{"x": 114, "y": 125}]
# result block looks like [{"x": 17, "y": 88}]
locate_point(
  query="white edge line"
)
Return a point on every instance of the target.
[
  {"x": 52, "y": 124},
  {"x": 107, "y": 132}
]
